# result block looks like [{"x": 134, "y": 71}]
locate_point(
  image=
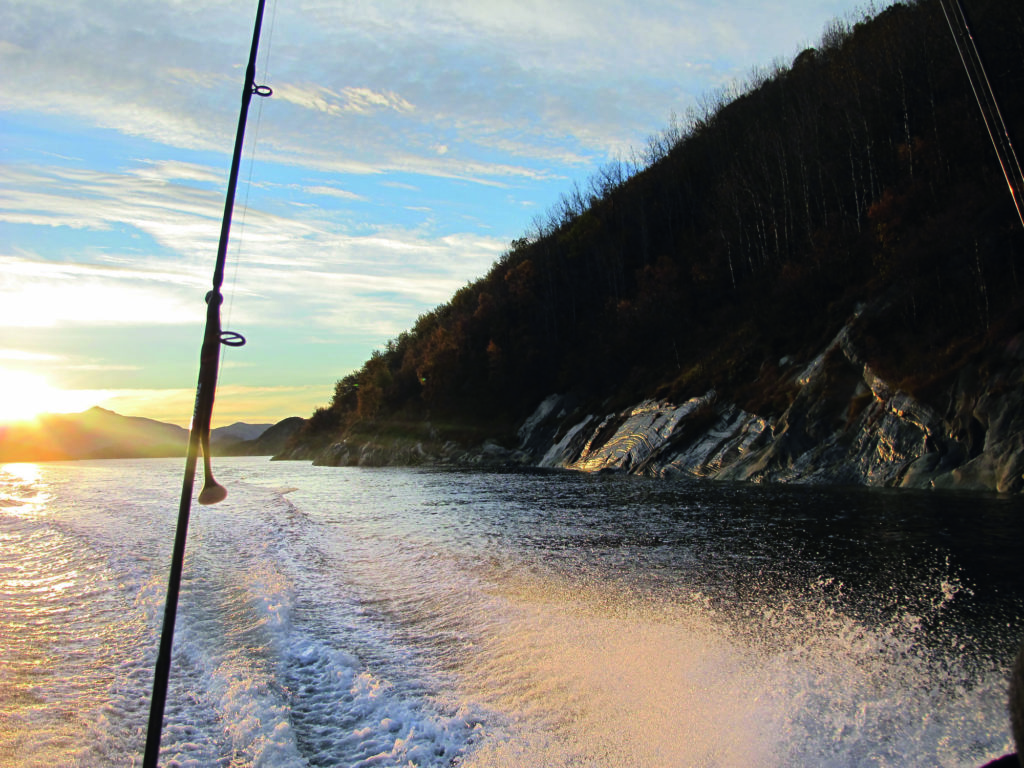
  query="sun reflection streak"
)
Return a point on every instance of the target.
[
  {"x": 23, "y": 471},
  {"x": 59, "y": 660},
  {"x": 20, "y": 495}
]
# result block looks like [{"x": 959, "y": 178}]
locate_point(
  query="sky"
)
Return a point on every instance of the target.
[{"x": 405, "y": 146}]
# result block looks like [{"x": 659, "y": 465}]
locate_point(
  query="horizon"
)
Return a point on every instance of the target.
[
  {"x": 39, "y": 417},
  {"x": 401, "y": 153}
]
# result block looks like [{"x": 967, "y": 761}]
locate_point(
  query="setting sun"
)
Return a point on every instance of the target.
[{"x": 24, "y": 396}]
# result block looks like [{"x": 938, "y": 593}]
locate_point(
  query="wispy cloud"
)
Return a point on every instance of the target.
[
  {"x": 332, "y": 192},
  {"x": 405, "y": 145},
  {"x": 26, "y": 355},
  {"x": 296, "y": 269},
  {"x": 574, "y": 79},
  {"x": 45, "y": 294},
  {"x": 178, "y": 170},
  {"x": 350, "y": 99}
]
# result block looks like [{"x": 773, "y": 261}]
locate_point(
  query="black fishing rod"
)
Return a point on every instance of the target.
[{"x": 199, "y": 434}]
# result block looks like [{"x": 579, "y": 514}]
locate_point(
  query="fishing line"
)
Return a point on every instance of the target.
[
  {"x": 199, "y": 433},
  {"x": 1004, "y": 132},
  {"x": 985, "y": 97},
  {"x": 236, "y": 258}
]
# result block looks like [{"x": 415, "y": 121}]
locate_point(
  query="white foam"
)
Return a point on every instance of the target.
[
  {"x": 370, "y": 622},
  {"x": 595, "y": 677}
]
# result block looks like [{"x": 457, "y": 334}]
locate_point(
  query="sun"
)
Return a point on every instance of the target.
[{"x": 24, "y": 396}]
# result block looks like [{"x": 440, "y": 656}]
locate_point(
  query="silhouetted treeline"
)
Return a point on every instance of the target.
[{"x": 745, "y": 233}]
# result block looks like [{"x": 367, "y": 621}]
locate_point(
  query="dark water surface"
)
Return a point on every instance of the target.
[{"x": 349, "y": 617}]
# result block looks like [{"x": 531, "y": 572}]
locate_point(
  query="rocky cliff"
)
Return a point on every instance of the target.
[
  {"x": 845, "y": 425},
  {"x": 714, "y": 291}
]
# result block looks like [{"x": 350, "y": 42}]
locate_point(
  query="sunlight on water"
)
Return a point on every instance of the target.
[
  {"x": 61, "y": 625},
  {"x": 621, "y": 687},
  {"x": 19, "y": 494},
  {"x": 591, "y": 677},
  {"x": 354, "y": 618},
  {"x": 21, "y": 472}
]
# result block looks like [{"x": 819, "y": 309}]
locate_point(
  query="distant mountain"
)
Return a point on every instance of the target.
[
  {"x": 93, "y": 434},
  {"x": 224, "y": 439},
  {"x": 273, "y": 440},
  {"x": 269, "y": 438},
  {"x": 101, "y": 434}
]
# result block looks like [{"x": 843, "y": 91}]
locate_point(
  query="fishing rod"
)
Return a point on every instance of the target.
[
  {"x": 985, "y": 96},
  {"x": 199, "y": 434}
]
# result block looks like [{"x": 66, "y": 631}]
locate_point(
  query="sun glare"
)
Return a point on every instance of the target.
[{"x": 24, "y": 396}]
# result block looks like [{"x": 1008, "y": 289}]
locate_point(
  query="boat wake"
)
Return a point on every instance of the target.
[{"x": 395, "y": 628}]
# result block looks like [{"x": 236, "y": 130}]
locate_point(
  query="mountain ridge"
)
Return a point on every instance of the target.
[
  {"x": 860, "y": 176},
  {"x": 98, "y": 433}
]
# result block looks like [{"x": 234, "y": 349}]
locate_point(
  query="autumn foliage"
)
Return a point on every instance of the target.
[{"x": 744, "y": 234}]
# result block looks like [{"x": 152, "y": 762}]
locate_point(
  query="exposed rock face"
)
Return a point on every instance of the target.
[{"x": 846, "y": 425}]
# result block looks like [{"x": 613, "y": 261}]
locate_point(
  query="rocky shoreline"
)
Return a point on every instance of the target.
[{"x": 845, "y": 425}]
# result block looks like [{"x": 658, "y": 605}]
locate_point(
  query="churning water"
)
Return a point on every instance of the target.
[{"x": 353, "y": 617}]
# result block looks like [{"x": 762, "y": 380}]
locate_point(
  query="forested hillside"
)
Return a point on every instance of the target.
[{"x": 747, "y": 234}]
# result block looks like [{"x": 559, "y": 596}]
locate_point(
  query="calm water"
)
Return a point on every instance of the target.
[{"x": 346, "y": 617}]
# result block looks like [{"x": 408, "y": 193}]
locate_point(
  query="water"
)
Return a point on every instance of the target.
[{"x": 347, "y": 617}]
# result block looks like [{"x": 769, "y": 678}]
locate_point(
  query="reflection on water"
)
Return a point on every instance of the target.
[
  {"x": 645, "y": 623},
  {"x": 336, "y": 617},
  {"x": 19, "y": 490},
  {"x": 19, "y": 473},
  {"x": 62, "y": 628}
]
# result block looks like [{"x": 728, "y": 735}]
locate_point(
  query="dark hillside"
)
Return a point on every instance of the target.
[{"x": 861, "y": 172}]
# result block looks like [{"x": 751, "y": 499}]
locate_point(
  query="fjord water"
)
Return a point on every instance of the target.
[{"x": 385, "y": 617}]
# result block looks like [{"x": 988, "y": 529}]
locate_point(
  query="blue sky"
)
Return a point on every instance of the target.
[{"x": 405, "y": 146}]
